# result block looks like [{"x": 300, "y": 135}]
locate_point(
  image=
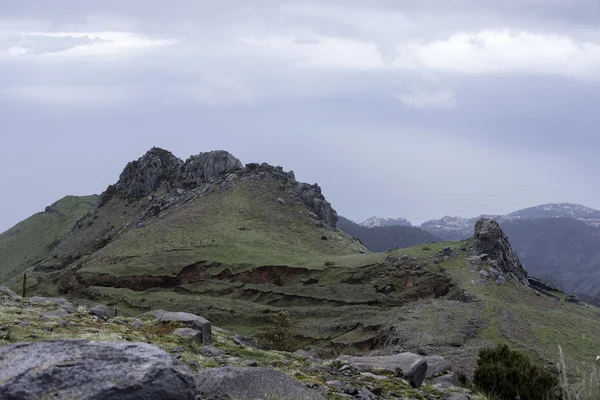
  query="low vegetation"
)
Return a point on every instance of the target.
[{"x": 506, "y": 374}]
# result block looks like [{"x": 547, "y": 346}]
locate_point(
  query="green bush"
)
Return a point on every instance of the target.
[
  {"x": 278, "y": 335},
  {"x": 507, "y": 374}
]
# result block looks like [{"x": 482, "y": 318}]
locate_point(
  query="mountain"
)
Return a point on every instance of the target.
[
  {"x": 458, "y": 228},
  {"x": 235, "y": 243},
  {"x": 564, "y": 249},
  {"x": 374, "y": 222},
  {"x": 581, "y": 213},
  {"x": 450, "y": 228},
  {"x": 557, "y": 242},
  {"x": 33, "y": 239},
  {"x": 383, "y": 238}
]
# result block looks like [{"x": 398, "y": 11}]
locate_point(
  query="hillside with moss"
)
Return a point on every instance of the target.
[
  {"x": 236, "y": 243},
  {"x": 33, "y": 239}
]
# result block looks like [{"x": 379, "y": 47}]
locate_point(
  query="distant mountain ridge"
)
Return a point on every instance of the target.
[
  {"x": 378, "y": 222},
  {"x": 383, "y": 238},
  {"x": 459, "y": 228},
  {"x": 559, "y": 242}
]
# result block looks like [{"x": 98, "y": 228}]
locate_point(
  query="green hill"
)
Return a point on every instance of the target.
[
  {"x": 234, "y": 243},
  {"x": 32, "y": 240}
]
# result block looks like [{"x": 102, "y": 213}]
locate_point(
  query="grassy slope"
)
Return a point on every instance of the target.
[
  {"x": 81, "y": 325},
  {"x": 243, "y": 226},
  {"x": 512, "y": 313},
  {"x": 32, "y": 240}
]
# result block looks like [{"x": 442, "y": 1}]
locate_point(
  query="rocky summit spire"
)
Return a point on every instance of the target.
[
  {"x": 490, "y": 240},
  {"x": 141, "y": 177}
]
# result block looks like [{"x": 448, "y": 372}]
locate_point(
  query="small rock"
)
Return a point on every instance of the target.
[
  {"x": 388, "y": 290},
  {"x": 211, "y": 351},
  {"x": 102, "y": 311},
  {"x": 63, "y": 323},
  {"x": 252, "y": 363},
  {"x": 501, "y": 280},
  {"x": 484, "y": 275},
  {"x": 24, "y": 323},
  {"x": 136, "y": 324},
  {"x": 365, "y": 394},
  {"x": 345, "y": 368},
  {"x": 55, "y": 314},
  {"x": 192, "y": 334},
  {"x": 446, "y": 252},
  {"x": 280, "y": 200},
  {"x": 311, "y": 354},
  {"x": 373, "y": 376},
  {"x": 494, "y": 273},
  {"x": 416, "y": 373},
  {"x": 245, "y": 341},
  {"x": 342, "y": 387}
]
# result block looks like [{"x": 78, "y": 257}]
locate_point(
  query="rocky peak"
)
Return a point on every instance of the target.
[
  {"x": 143, "y": 176},
  {"x": 204, "y": 166},
  {"x": 491, "y": 241}
]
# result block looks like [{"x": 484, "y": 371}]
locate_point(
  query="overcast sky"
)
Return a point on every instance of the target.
[{"x": 419, "y": 108}]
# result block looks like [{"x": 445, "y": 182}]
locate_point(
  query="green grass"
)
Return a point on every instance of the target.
[
  {"x": 239, "y": 227},
  {"x": 33, "y": 239}
]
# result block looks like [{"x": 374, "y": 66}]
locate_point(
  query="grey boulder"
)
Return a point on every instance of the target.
[
  {"x": 191, "y": 320},
  {"x": 102, "y": 311},
  {"x": 81, "y": 369},
  {"x": 409, "y": 364},
  {"x": 251, "y": 383}
]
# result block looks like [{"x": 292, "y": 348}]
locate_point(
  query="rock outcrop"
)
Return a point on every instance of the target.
[
  {"x": 141, "y": 177},
  {"x": 312, "y": 196},
  {"x": 81, "y": 369},
  {"x": 251, "y": 383},
  {"x": 493, "y": 244},
  {"x": 203, "y": 167}
]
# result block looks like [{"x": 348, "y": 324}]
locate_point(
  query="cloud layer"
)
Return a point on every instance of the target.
[{"x": 419, "y": 109}]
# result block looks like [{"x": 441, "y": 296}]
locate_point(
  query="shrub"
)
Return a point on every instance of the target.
[
  {"x": 508, "y": 374},
  {"x": 278, "y": 335}
]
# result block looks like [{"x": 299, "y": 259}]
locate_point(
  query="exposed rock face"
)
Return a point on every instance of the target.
[
  {"x": 141, "y": 177},
  {"x": 491, "y": 241},
  {"x": 201, "y": 168},
  {"x": 81, "y": 369},
  {"x": 251, "y": 383},
  {"x": 311, "y": 195},
  {"x": 193, "y": 321}
]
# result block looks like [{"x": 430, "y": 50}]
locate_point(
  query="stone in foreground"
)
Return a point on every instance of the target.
[
  {"x": 410, "y": 364},
  {"x": 102, "y": 311},
  {"x": 251, "y": 383},
  {"x": 193, "y": 321},
  {"x": 81, "y": 369}
]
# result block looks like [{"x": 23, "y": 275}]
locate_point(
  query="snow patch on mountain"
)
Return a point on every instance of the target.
[{"x": 374, "y": 222}]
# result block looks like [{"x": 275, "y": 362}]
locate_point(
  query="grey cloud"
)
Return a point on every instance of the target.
[{"x": 511, "y": 140}]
